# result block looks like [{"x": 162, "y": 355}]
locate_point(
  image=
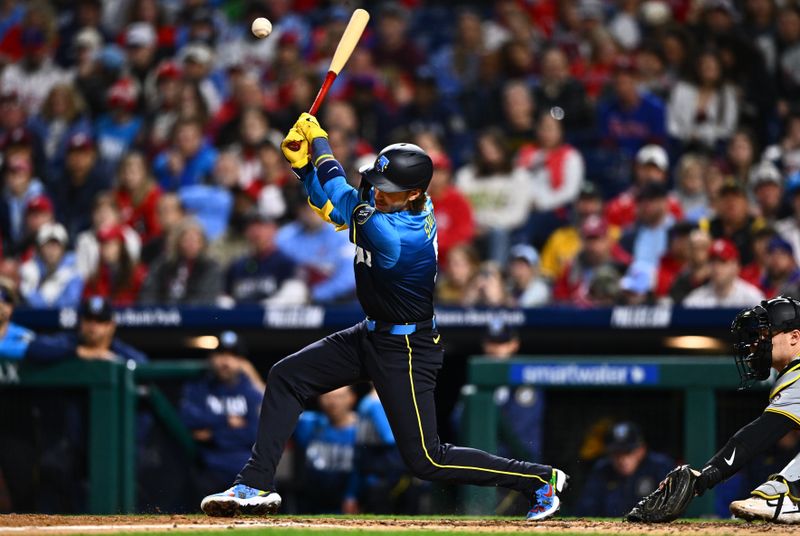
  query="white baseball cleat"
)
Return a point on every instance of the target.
[
  {"x": 241, "y": 499},
  {"x": 769, "y": 502}
]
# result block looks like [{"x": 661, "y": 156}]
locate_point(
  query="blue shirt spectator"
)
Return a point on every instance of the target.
[
  {"x": 210, "y": 205},
  {"x": 19, "y": 187},
  {"x": 325, "y": 256},
  {"x": 631, "y": 119},
  {"x": 14, "y": 339},
  {"x": 266, "y": 275},
  {"x": 327, "y": 441},
  {"x": 51, "y": 277},
  {"x": 189, "y": 161},
  {"x": 221, "y": 410}
]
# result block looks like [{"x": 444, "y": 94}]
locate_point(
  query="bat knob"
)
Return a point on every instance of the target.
[{"x": 293, "y": 145}]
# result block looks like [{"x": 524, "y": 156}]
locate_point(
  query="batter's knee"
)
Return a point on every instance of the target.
[{"x": 422, "y": 463}]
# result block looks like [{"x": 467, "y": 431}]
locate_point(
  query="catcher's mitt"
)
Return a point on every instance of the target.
[{"x": 669, "y": 501}]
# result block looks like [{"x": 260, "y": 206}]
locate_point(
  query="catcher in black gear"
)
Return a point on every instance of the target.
[{"x": 767, "y": 337}]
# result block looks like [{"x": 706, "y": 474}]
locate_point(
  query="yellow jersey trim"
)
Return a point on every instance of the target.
[
  {"x": 785, "y": 414},
  {"x": 783, "y": 386}
]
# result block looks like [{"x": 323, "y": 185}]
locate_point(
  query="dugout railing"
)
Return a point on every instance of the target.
[
  {"x": 114, "y": 391},
  {"x": 698, "y": 379}
]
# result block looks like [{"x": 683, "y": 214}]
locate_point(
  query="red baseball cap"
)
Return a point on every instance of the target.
[
  {"x": 594, "y": 227},
  {"x": 40, "y": 203},
  {"x": 724, "y": 250}
]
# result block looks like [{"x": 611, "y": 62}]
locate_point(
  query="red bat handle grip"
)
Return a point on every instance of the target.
[{"x": 326, "y": 85}]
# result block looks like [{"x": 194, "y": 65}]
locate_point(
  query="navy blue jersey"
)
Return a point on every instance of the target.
[{"x": 395, "y": 257}]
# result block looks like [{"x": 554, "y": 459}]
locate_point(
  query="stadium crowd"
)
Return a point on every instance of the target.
[{"x": 586, "y": 152}]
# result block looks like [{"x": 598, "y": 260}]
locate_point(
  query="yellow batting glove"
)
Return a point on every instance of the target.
[
  {"x": 297, "y": 158},
  {"x": 309, "y": 126}
]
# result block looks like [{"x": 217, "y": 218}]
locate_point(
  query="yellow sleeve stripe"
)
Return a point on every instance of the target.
[
  {"x": 325, "y": 214},
  {"x": 422, "y": 434},
  {"x": 786, "y": 414},
  {"x": 321, "y": 158},
  {"x": 783, "y": 386}
]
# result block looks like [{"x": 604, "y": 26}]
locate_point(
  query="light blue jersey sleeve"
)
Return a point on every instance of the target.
[{"x": 318, "y": 200}]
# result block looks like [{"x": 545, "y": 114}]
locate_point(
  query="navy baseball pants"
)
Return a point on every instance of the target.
[{"x": 403, "y": 369}]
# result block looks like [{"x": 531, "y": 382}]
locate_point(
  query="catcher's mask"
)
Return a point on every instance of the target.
[{"x": 754, "y": 329}]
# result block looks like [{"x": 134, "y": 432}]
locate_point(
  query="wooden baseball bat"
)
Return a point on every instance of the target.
[{"x": 352, "y": 33}]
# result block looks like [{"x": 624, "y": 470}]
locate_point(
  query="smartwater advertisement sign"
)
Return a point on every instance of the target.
[{"x": 584, "y": 374}]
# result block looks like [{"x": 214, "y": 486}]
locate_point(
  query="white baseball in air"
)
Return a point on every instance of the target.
[
  {"x": 261, "y": 27},
  {"x": 557, "y": 113}
]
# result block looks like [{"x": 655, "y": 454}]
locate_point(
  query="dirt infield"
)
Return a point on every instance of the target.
[{"x": 43, "y": 524}]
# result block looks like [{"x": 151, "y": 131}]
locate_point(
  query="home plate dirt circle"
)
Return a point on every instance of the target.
[{"x": 45, "y": 524}]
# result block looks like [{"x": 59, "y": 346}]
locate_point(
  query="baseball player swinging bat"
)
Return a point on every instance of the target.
[{"x": 352, "y": 33}]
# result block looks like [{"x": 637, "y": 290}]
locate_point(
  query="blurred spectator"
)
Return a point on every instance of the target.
[
  {"x": 528, "y": 289},
  {"x": 96, "y": 71},
  {"x": 140, "y": 48},
  {"x": 646, "y": 240},
  {"x": 233, "y": 243},
  {"x": 221, "y": 411},
  {"x": 116, "y": 276},
  {"x": 519, "y": 113},
  {"x": 563, "y": 244},
  {"x": 598, "y": 250},
  {"x": 266, "y": 274},
  {"x": 34, "y": 75},
  {"x": 83, "y": 178},
  {"x": 498, "y": 193},
  {"x": 488, "y": 288},
  {"x": 652, "y": 66},
  {"x": 391, "y": 47},
  {"x": 703, "y": 111},
  {"x": 783, "y": 275},
  {"x": 630, "y": 119},
  {"x": 198, "y": 63},
  {"x": 105, "y": 216},
  {"x": 675, "y": 259},
  {"x": 557, "y": 88},
  {"x": 627, "y": 472},
  {"x": 183, "y": 274},
  {"x": 457, "y": 275},
  {"x": 94, "y": 339},
  {"x": 429, "y": 111},
  {"x": 697, "y": 271},
  {"x": 327, "y": 441},
  {"x": 254, "y": 131},
  {"x": 725, "y": 288},
  {"x": 734, "y": 221},
  {"x": 691, "y": 189},
  {"x": 756, "y": 271},
  {"x": 169, "y": 214},
  {"x": 63, "y": 114},
  {"x": 788, "y": 38},
  {"x": 162, "y": 93},
  {"x": 767, "y": 188},
  {"x": 454, "y": 220},
  {"x": 189, "y": 161},
  {"x": 636, "y": 286},
  {"x": 324, "y": 256},
  {"x": 19, "y": 188},
  {"x": 14, "y": 339},
  {"x": 136, "y": 196},
  {"x": 384, "y": 483},
  {"x": 740, "y": 157},
  {"x": 786, "y": 153},
  {"x": 13, "y": 114},
  {"x": 121, "y": 127},
  {"x": 456, "y": 64},
  {"x": 51, "y": 277},
  {"x": 651, "y": 166},
  {"x": 555, "y": 173},
  {"x": 38, "y": 212}
]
